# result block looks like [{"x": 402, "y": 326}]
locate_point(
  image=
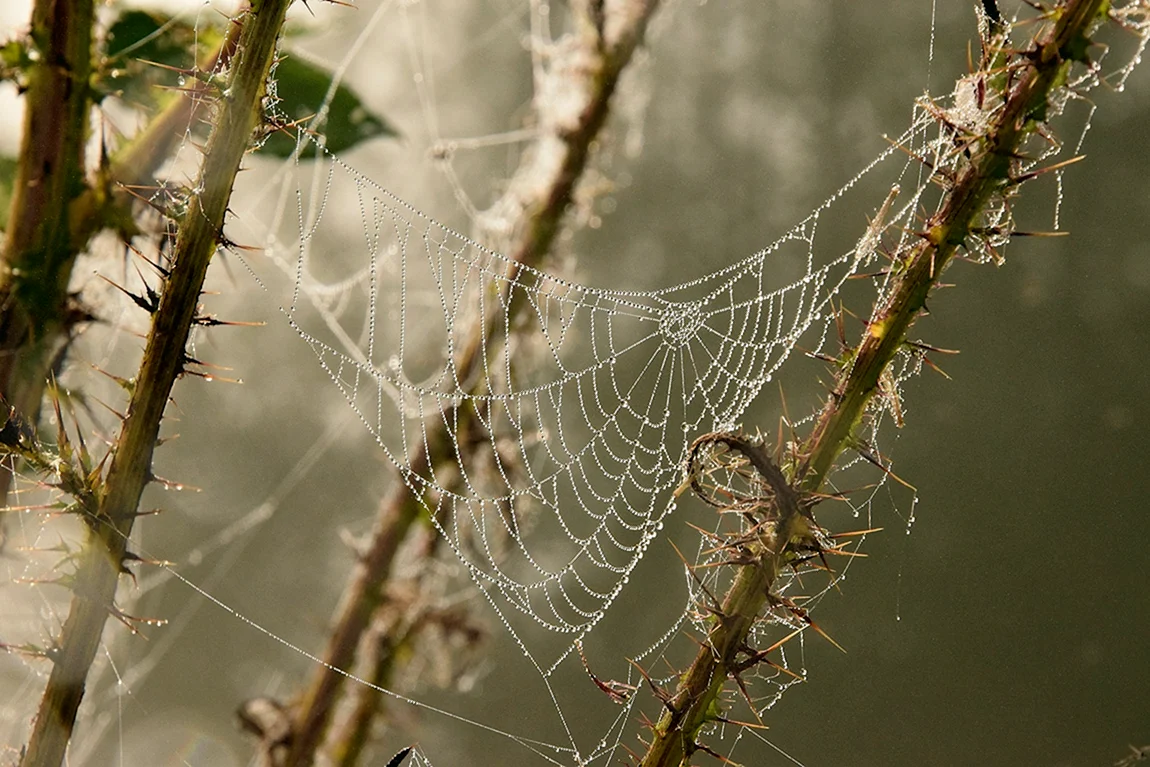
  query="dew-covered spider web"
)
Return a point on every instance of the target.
[
  {"x": 539, "y": 417},
  {"x": 553, "y": 460},
  {"x": 543, "y": 423}
]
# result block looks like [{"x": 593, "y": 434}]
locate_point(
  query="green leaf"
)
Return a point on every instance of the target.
[
  {"x": 138, "y": 37},
  {"x": 301, "y": 87},
  {"x": 7, "y": 181}
]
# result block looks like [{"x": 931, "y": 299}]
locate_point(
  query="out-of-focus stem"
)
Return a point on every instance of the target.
[
  {"x": 35, "y": 315},
  {"x": 136, "y": 163},
  {"x": 538, "y": 196}
]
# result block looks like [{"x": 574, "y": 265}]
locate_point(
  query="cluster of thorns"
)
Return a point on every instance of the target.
[{"x": 738, "y": 476}]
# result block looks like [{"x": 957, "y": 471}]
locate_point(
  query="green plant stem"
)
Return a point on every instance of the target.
[
  {"x": 35, "y": 315},
  {"x": 1043, "y": 69},
  {"x": 537, "y": 198},
  {"x": 30, "y": 346},
  {"x": 101, "y": 559},
  {"x": 987, "y": 173},
  {"x": 695, "y": 700}
]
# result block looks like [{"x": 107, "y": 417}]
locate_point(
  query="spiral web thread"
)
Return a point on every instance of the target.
[{"x": 564, "y": 453}]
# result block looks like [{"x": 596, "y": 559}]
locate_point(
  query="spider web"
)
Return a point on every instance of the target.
[
  {"x": 562, "y": 426},
  {"x": 580, "y": 433},
  {"x": 558, "y": 415}
]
